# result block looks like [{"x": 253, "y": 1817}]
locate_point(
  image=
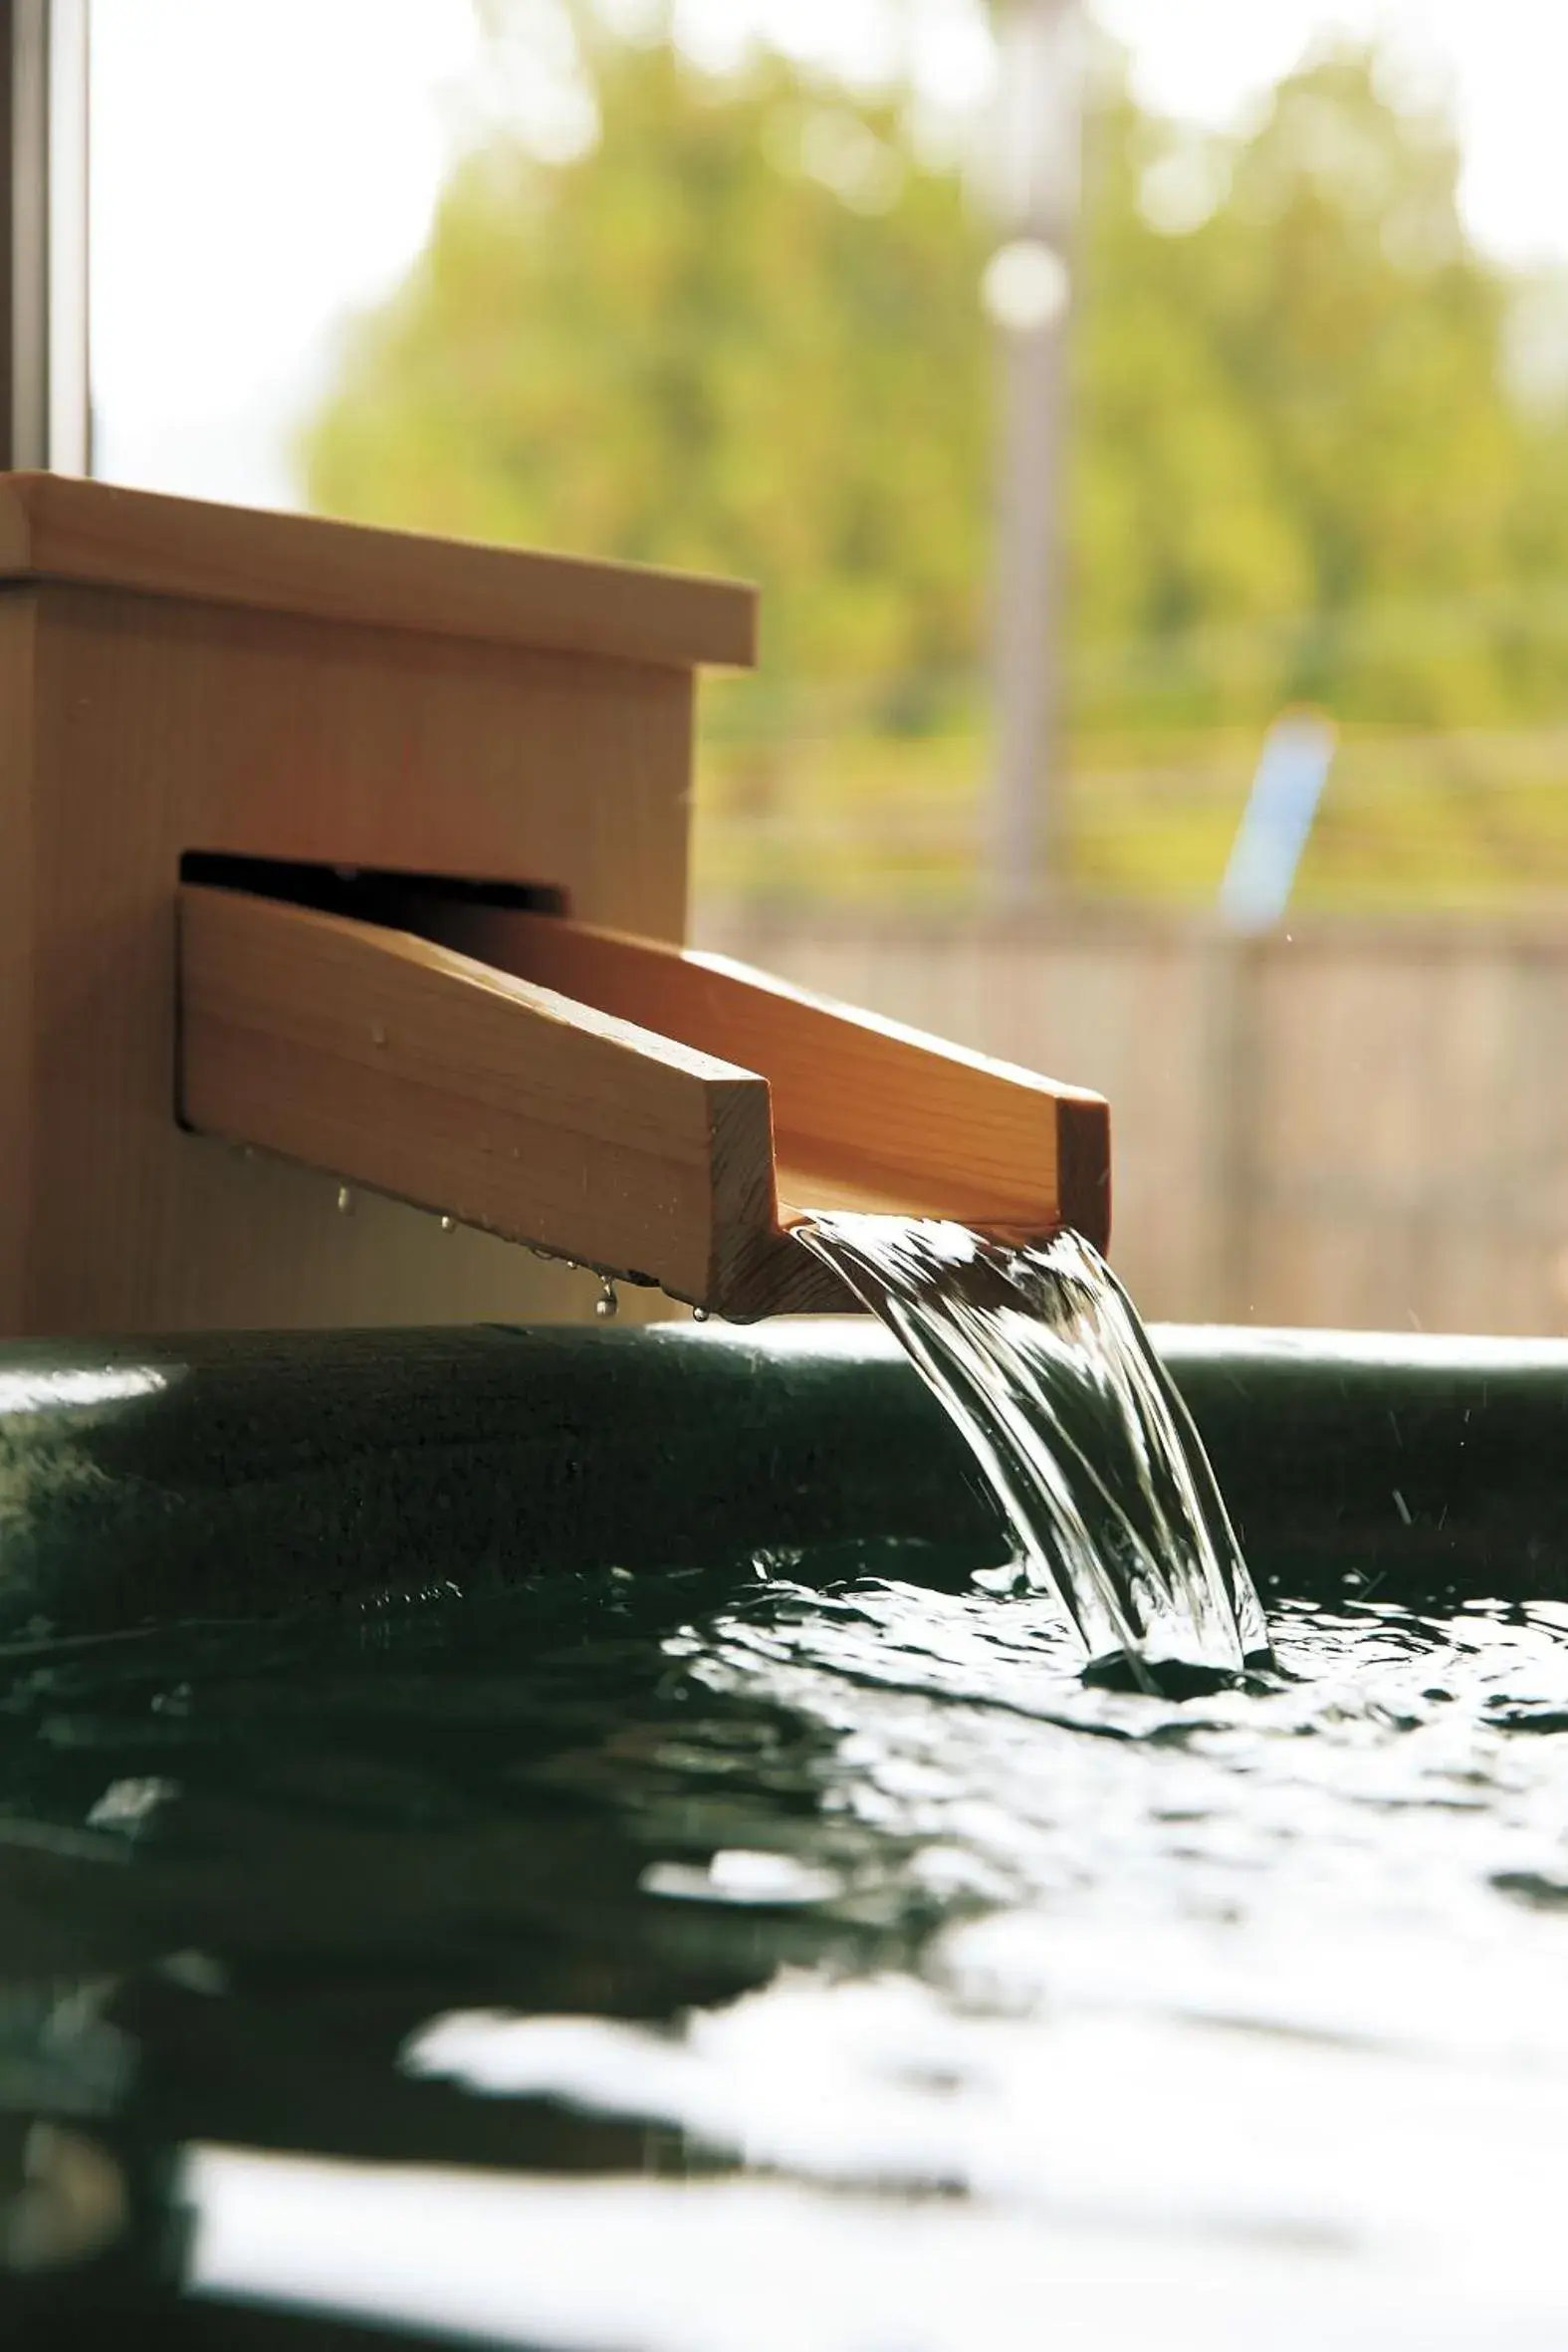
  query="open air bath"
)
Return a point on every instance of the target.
[{"x": 720, "y": 736}]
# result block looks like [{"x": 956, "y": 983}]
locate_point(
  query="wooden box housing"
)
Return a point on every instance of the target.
[{"x": 179, "y": 678}]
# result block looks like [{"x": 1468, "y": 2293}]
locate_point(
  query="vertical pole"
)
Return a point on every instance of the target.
[
  {"x": 1028, "y": 291},
  {"x": 45, "y": 398}
]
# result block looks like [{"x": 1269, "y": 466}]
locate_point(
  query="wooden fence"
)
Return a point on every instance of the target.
[{"x": 1356, "y": 1125}]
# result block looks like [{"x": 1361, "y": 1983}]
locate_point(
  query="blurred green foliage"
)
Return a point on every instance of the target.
[
  {"x": 1302, "y": 469},
  {"x": 742, "y": 332},
  {"x": 742, "y": 335}
]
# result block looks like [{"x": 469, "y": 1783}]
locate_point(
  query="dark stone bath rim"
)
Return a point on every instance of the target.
[{"x": 251, "y": 1474}]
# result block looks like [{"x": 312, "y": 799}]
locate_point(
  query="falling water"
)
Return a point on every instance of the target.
[{"x": 1039, "y": 1355}]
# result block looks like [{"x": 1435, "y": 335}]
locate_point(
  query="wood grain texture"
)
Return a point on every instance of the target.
[
  {"x": 398, "y": 1064},
  {"x": 179, "y": 678},
  {"x": 867, "y": 1115},
  {"x": 55, "y": 527},
  {"x": 16, "y": 943},
  {"x": 138, "y": 727},
  {"x": 260, "y": 734},
  {"x": 537, "y": 1108}
]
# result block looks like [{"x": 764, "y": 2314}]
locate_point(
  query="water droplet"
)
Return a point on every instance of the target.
[
  {"x": 606, "y": 1306},
  {"x": 345, "y": 1201},
  {"x": 449, "y": 1225},
  {"x": 699, "y": 1314}
]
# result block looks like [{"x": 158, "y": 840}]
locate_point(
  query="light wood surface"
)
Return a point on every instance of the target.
[
  {"x": 180, "y": 679},
  {"x": 137, "y": 727},
  {"x": 529, "y": 1102},
  {"x": 867, "y": 1114},
  {"x": 398, "y": 1064},
  {"x": 17, "y": 984},
  {"x": 96, "y": 535}
]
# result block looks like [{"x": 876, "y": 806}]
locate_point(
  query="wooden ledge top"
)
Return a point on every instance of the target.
[{"x": 55, "y": 527}]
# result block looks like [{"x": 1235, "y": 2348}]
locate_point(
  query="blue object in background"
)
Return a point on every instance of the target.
[{"x": 1275, "y": 825}]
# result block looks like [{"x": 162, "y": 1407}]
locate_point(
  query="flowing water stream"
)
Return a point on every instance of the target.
[{"x": 1039, "y": 1355}]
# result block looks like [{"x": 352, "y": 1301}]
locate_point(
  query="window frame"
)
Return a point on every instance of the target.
[{"x": 44, "y": 384}]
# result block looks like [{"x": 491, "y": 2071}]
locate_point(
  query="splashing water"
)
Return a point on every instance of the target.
[{"x": 1039, "y": 1355}]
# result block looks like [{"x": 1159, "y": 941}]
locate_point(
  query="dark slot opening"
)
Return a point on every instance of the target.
[{"x": 371, "y": 894}]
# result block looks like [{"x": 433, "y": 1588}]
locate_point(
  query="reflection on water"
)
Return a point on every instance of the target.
[
  {"x": 794, "y": 1957},
  {"x": 71, "y": 1387}
]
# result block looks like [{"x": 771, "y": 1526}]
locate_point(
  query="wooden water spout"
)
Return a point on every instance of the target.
[
  {"x": 648, "y": 1112},
  {"x": 366, "y": 854}
]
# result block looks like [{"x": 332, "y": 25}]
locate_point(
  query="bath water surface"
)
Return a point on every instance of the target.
[{"x": 797, "y": 1956}]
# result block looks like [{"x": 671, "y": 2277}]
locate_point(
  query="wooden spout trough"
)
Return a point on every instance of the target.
[{"x": 662, "y": 1116}]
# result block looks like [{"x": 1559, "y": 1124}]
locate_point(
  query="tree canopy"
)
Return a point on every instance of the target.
[{"x": 743, "y": 332}]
